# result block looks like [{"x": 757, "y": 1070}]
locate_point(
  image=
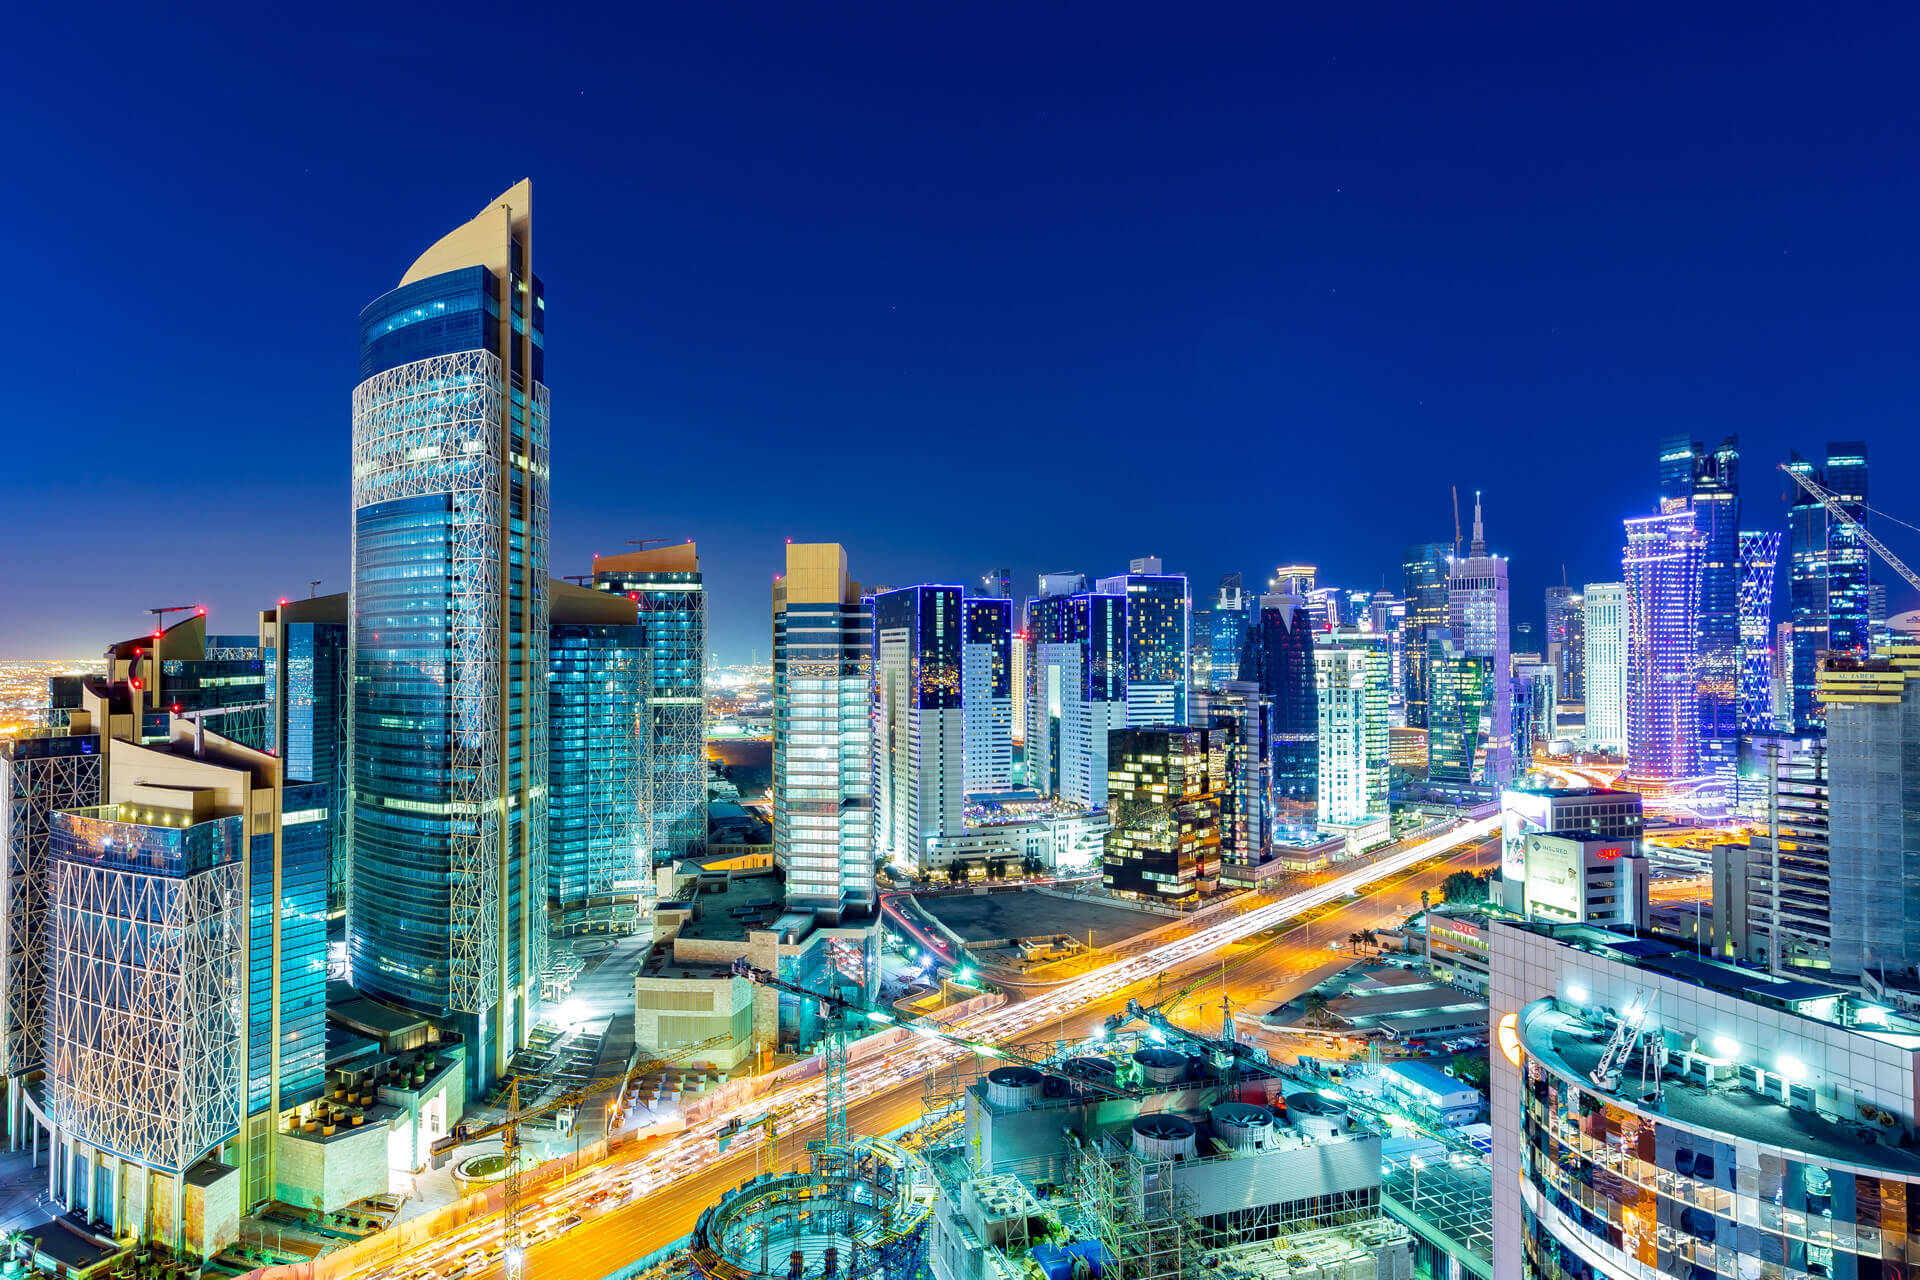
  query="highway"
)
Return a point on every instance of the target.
[{"x": 658, "y": 1188}]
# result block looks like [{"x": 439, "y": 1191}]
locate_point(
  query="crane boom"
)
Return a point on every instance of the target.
[{"x": 1845, "y": 517}]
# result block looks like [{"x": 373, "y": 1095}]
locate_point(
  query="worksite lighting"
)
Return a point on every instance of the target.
[
  {"x": 874, "y": 1015},
  {"x": 1791, "y": 1067},
  {"x": 1726, "y": 1046},
  {"x": 1577, "y": 993}
]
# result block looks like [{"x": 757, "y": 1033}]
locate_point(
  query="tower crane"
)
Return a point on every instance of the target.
[
  {"x": 512, "y": 1239},
  {"x": 1845, "y": 517}
]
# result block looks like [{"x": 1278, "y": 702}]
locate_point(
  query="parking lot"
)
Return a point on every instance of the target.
[{"x": 1025, "y": 913}]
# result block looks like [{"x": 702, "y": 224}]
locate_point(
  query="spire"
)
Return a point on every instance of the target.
[{"x": 1479, "y": 547}]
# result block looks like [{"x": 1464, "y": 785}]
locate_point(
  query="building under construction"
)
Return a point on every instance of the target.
[{"x": 1149, "y": 1154}]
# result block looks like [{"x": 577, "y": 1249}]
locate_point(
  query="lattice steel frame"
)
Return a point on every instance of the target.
[
  {"x": 432, "y": 427},
  {"x": 32, "y": 789},
  {"x": 144, "y": 1039}
]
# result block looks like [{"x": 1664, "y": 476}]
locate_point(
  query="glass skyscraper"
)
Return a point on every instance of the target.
[
  {"x": 1078, "y": 693},
  {"x": 1827, "y": 584},
  {"x": 1460, "y": 734},
  {"x": 1708, "y": 482},
  {"x": 1279, "y": 660},
  {"x": 303, "y": 645},
  {"x": 1662, "y": 565},
  {"x": 987, "y": 693},
  {"x": 1426, "y": 608},
  {"x": 1566, "y": 643},
  {"x": 822, "y": 733},
  {"x": 1759, "y": 557},
  {"x": 1477, "y": 614},
  {"x": 1228, "y": 622},
  {"x": 919, "y": 752},
  {"x": 599, "y": 870},
  {"x": 1158, "y": 620},
  {"x": 665, "y": 584},
  {"x": 448, "y": 824}
]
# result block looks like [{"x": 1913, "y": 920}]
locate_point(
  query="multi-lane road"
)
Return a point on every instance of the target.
[{"x": 648, "y": 1195}]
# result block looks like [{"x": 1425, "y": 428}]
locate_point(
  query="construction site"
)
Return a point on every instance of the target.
[{"x": 1143, "y": 1152}]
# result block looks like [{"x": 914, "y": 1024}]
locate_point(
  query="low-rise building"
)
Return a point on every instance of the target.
[
  {"x": 1427, "y": 1089},
  {"x": 1585, "y": 879}
]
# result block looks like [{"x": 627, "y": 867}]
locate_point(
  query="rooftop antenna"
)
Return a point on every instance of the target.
[
  {"x": 160, "y": 614},
  {"x": 1479, "y": 547},
  {"x": 313, "y": 586},
  {"x": 1456, "y": 522}
]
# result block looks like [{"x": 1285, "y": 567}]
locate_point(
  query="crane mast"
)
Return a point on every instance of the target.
[{"x": 1845, "y": 517}]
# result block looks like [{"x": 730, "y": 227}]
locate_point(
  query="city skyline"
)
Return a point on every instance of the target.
[{"x": 939, "y": 276}]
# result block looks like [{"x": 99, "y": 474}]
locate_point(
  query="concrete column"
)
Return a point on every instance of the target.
[
  {"x": 84, "y": 1197},
  {"x": 13, "y": 1113},
  {"x": 53, "y": 1167}
]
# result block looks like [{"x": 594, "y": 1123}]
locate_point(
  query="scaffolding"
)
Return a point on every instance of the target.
[{"x": 1133, "y": 1207}]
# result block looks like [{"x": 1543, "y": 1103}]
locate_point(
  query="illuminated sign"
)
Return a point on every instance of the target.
[
  {"x": 1609, "y": 854},
  {"x": 1510, "y": 1037}
]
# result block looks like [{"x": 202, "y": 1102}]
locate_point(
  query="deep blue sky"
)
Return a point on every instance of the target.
[{"x": 959, "y": 286}]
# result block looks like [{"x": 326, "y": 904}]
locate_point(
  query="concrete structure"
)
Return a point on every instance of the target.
[
  {"x": 987, "y": 693},
  {"x": 1477, "y": 614},
  {"x": 1060, "y": 841},
  {"x": 1742, "y": 1124},
  {"x": 670, "y": 596},
  {"x": 1351, "y": 681},
  {"x": 675, "y": 1008},
  {"x": 1606, "y": 623},
  {"x": 918, "y": 750},
  {"x": 446, "y": 909},
  {"x": 1872, "y": 709},
  {"x": 1575, "y": 878},
  {"x": 1785, "y": 861},
  {"x": 1595, "y": 811},
  {"x": 1454, "y": 946},
  {"x": 822, "y": 792}
]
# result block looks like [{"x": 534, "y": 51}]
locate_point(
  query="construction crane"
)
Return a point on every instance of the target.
[
  {"x": 160, "y": 614},
  {"x": 1224, "y": 1053},
  {"x": 512, "y": 1242},
  {"x": 643, "y": 543},
  {"x": 1626, "y": 1033},
  {"x": 769, "y": 1126},
  {"x": 1845, "y": 517}
]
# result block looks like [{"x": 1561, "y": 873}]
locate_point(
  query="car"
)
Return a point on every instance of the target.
[{"x": 567, "y": 1223}]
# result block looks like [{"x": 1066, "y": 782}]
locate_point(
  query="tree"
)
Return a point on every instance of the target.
[
  {"x": 1471, "y": 1067},
  {"x": 1464, "y": 887}
]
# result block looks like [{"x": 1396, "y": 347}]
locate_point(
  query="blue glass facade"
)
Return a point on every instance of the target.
[
  {"x": 1827, "y": 586},
  {"x": 1279, "y": 660},
  {"x": 308, "y": 684},
  {"x": 597, "y": 728},
  {"x": 1707, "y": 482},
  {"x": 448, "y": 630}
]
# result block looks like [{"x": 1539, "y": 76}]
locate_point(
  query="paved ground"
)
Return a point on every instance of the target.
[
  {"x": 23, "y": 1188},
  {"x": 1024, "y": 913}
]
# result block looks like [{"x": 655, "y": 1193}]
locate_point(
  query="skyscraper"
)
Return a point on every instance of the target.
[
  {"x": 599, "y": 864},
  {"x": 448, "y": 822},
  {"x": 1759, "y": 555},
  {"x": 919, "y": 752},
  {"x": 1566, "y": 643},
  {"x": 1426, "y": 608},
  {"x": 1827, "y": 583},
  {"x": 1279, "y": 660},
  {"x": 1350, "y": 690},
  {"x": 1241, "y": 720},
  {"x": 1604, "y": 623},
  {"x": 309, "y": 681},
  {"x": 1477, "y": 615},
  {"x": 822, "y": 733},
  {"x": 1461, "y": 743},
  {"x": 1708, "y": 483},
  {"x": 987, "y": 693},
  {"x": 1229, "y": 621},
  {"x": 1872, "y": 710},
  {"x": 1165, "y": 840},
  {"x": 1158, "y": 609},
  {"x": 1078, "y": 692},
  {"x": 666, "y": 587},
  {"x": 1662, "y": 565}
]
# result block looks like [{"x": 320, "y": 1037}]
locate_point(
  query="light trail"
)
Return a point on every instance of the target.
[{"x": 687, "y": 1153}]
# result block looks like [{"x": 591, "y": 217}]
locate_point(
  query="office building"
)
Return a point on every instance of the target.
[
  {"x": 309, "y": 682},
  {"x": 822, "y": 733},
  {"x": 180, "y": 669},
  {"x": 1597, "y": 812},
  {"x": 1350, "y": 690},
  {"x": 1077, "y": 694},
  {"x": 1020, "y": 647},
  {"x": 1566, "y": 643},
  {"x": 1579, "y": 878},
  {"x": 1827, "y": 578},
  {"x": 448, "y": 821},
  {"x": 40, "y": 775},
  {"x": 1426, "y": 608},
  {"x": 1533, "y": 708},
  {"x": 1707, "y": 483},
  {"x": 186, "y": 986},
  {"x": 1785, "y": 861},
  {"x": 1164, "y": 842},
  {"x": 997, "y": 585},
  {"x": 987, "y": 693},
  {"x": 1656, "y": 1113},
  {"x": 919, "y": 753},
  {"x": 1873, "y": 833},
  {"x": 1477, "y": 614},
  {"x": 1158, "y": 609},
  {"x": 1462, "y": 746},
  {"x": 1241, "y": 720},
  {"x": 1062, "y": 583},
  {"x": 1759, "y": 556},
  {"x": 1605, "y": 621},
  {"x": 1229, "y": 621},
  {"x": 1279, "y": 661},
  {"x": 1662, "y": 564},
  {"x": 667, "y": 588},
  {"x": 599, "y": 862}
]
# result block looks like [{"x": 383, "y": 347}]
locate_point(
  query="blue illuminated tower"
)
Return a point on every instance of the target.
[
  {"x": 1159, "y": 612},
  {"x": 1707, "y": 482},
  {"x": 1228, "y": 623},
  {"x": 448, "y": 821},
  {"x": 1827, "y": 587},
  {"x": 1759, "y": 557},
  {"x": 1662, "y": 566},
  {"x": 1279, "y": 661},
  {"x": 919, "y": 753}
]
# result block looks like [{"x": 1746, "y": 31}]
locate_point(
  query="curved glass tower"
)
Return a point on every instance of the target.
[{"x": 448, "y": 633}]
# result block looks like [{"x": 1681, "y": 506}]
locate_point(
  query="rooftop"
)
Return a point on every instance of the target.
[
  {"x": 746, "y": 903},
  {"x": 1571, "y": 1047}
]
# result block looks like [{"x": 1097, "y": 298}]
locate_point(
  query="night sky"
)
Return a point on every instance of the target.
[{"x": 959, "y": 286}]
